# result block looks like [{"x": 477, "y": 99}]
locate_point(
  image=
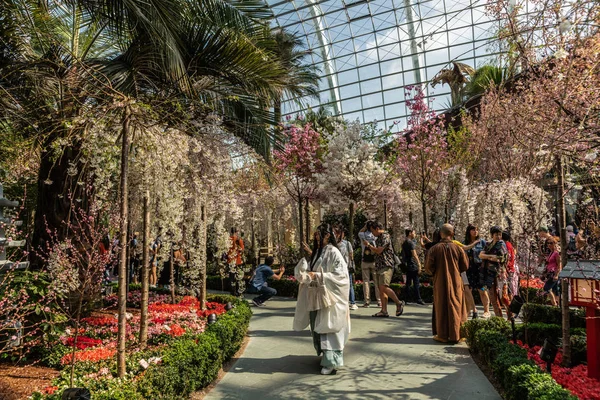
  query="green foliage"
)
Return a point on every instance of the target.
[
  {"x": 189, "y": 362},
  {"x": 489, "y": 343},
  {"x": 578, "y": 349},
  {"x": 537, "y": 332},
  {"x": 289, "y": 288},
  {"x": 508, "y": 356},
  {"x": 484, "y": 78},
  {"x": 470, "y": 328},
  {"x": 519, "y": 376},
  {"x": 51, "y": 355},
  {"x": 187, "y": 365},
  {"x": 552, "y": 315}
]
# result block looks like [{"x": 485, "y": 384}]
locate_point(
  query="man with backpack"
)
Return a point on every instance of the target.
[
  {"x": 413, "y": 265},
  {"x": 367, "y": 264}
]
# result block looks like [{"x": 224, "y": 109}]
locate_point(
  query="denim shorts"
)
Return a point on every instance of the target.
[
  {"x": 487, "y": 278},
  {"x": 551, "y": 284}
]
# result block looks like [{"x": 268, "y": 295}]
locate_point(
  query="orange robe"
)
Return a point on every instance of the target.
[{"x": 445, "y": 261}]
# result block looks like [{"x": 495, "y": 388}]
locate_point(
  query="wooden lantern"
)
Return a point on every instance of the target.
[{"x": 584, "y": 291}]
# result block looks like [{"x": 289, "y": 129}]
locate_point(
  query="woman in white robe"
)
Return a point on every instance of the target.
[{"x": 330, "y": 326}]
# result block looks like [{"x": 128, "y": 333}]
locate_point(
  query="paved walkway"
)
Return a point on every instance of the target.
[{"x": 387, "y": 358}]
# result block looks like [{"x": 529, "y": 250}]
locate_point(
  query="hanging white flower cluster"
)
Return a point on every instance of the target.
[{"x": 350, "y": 171}]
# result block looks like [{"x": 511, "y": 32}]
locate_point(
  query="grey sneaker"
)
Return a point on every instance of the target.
[{"x": 257, "y": 304}]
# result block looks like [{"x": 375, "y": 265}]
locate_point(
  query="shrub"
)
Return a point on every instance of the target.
[
  {"x": 187, "y": 365},
  {"x": 537, "y": 332},
  {"x": 227, "y": 328},
  {"x": 470, "y": 328},
  {"x": 519, "y": 376},
  {"x": 488, "y": 343},
  {"x": 509, "y": 355},
  {"x": 189, "y": 362},
  {"x": 552, "y": 315},
  {"x": 578, "y": 349}
]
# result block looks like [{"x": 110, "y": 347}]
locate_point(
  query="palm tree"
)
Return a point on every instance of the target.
[
  {"x": 59, "y": 59},
  {"x": 303, "y": 79},
  {"x": 483, "y": 78}
]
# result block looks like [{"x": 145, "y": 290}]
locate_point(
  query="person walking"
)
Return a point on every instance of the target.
[
  {"x": 494, "y": 258},
  {"x": 348, "y": 253},
  {"x": 258, "y": 283},
  {"x": 445, "y": 261},
  {"x": 413, "y": 265},
  {"x": 551, "y": 270},
  {"x": 384, "y": 264},
  {"x": 330, "y": 325},
  {"x": 474, "y": 245},
  {"x": 367, "y": 264}
]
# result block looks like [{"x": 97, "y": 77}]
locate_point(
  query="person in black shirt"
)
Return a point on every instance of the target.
[{"x": 413, "y": 265}]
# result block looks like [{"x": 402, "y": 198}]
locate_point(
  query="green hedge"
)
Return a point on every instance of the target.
[
  {"x": 519, "y": 377},
  {"x": 289, "y": 288},
  {"x": 189, "y": 363},
  {"x": 532, "y": 313}
]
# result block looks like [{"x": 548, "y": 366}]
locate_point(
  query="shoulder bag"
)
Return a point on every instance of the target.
[{"x": 319, "y": 296}]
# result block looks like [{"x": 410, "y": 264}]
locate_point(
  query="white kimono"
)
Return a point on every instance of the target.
[{"x": 332, "y": 323}]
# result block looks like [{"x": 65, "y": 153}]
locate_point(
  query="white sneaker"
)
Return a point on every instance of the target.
[
  {"x": 327, "y": 371},
  {"x": 486, "y": 315},
  {"x": 353, "y": 307}
]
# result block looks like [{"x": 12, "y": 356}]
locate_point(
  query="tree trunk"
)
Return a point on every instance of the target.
[
  {"x": 562, "y": 225},
  {"x": 55, "y": 189},
  {"x": 385, "y": 220},
  {"x": 424, "y": 209},
  {"x": 307, "y": 216},
  {"x": 145, "y": 274},
  {"x": 122, "y": 302},
  {"x": 172, "y": 273},
  {"x": 351, "y": 223},
  {"x": 270, "y": 229},
  {"x": 300, "y": 223},
  {"x": 203, "y": 255}
]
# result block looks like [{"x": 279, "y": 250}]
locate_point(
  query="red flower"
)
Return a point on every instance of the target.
[
  {"x": 100, "y": 321},
  {"x": 50, "y": 389},
  {"x": 93, "y": 355},
  {"x": 176, "y": 330},
  {"x": 83, "y": 342},
  {"x": 574, "y": 379}
]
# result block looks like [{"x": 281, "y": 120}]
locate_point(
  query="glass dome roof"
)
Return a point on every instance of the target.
[{"x": 368, "y": 50}]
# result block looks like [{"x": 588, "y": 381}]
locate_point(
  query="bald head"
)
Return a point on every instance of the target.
[{"x": 446, "y": 231}]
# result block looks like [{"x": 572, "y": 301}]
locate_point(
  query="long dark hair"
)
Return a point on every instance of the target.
[
  {"x": 468, "y": 234},
  {"x": 317, "y": 249}
]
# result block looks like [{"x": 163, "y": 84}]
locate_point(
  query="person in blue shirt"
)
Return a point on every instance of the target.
[{"x": 258, "y": 283}]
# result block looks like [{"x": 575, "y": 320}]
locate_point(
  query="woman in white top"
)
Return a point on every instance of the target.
[{"x": 330, "y": 326}]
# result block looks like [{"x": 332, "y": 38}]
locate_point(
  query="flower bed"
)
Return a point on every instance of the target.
[
  {"x": 185, "y": 353},
  {"x": 519, "y": 376},
  {"x": 574, "y": 379}
]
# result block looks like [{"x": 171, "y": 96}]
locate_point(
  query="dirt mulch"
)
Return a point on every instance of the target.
[{"x": 17, "y": 383}]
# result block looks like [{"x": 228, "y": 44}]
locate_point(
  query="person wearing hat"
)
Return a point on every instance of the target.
[
  {"x": 551, "y": 270},
  {"x": 494, "y": 257}
]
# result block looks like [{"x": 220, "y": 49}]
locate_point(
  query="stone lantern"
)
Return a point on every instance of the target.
[{"x": 584, "y": 291}]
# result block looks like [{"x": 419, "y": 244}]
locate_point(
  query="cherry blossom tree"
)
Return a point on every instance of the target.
[
  {"x": 298, "y": 163},
  {"x": 351, "y": 174},
  {"x": 421, "y": 151}
]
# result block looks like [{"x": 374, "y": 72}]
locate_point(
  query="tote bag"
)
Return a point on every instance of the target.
[{"x": 318, "y": 296}]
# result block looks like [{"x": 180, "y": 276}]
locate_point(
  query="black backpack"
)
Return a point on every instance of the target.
[{"x": 572, "y": 246}]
